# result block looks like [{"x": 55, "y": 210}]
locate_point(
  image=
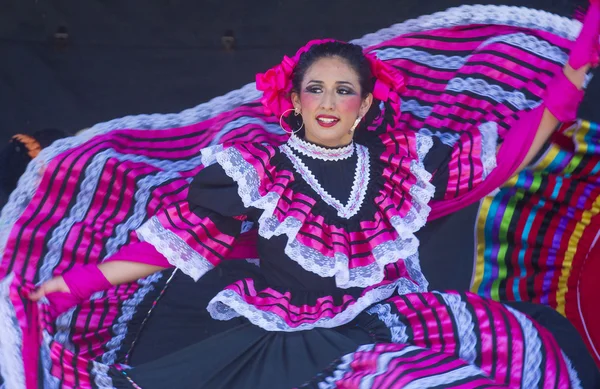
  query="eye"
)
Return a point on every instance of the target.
[
  {"x": 345, "y": 91},
  {"x": 313, "y": 89}
]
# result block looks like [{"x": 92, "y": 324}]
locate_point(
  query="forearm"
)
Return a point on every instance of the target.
[
  {"x": 132, "y": 262},
  {"x": 560, "y": 104},
  {"x": 122, "y": 272},
  {"x": 546, "y": 127}
]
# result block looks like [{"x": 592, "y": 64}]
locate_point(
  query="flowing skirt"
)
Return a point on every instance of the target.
[
  {"x": 427, "y": 338},
  {"x": 81, "y": 199}
]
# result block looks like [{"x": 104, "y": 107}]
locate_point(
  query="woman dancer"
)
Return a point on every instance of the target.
[{"x": 318, "y": 311}]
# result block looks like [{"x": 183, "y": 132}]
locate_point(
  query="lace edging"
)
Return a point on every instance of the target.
[
  {"x": 244, "y": 174},
  {"x": 208, "y": 154},
  {"x": 177, "y": 252},
  {"x": 360, "y": 184},
  {"x": 101, "y": 376},
  {"x": 319, "y": 152},
  {"x": 11, "y": 340},
  {"x": 478, "y": 14},
  {"x": 424, "y": 144},
  {"x": 466, "y": 332},
  {"x": 573, "y": 376},
  {"x": 128, "y": 309},
  {"x": 489, "y": 145},
  {"x": 227, "y": 304},
  {"x": 532, "y": 363},
  {"x": 391, "y": 321}
]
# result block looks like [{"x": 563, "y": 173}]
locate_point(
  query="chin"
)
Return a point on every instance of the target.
[{"x": 329, "y": 134}]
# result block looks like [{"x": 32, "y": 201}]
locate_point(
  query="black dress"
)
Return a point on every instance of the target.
[{"x": 182, "y": 345}]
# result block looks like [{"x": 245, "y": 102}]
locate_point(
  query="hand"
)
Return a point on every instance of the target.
[
  {"x": 57, "y": 284},
  {"x": 577, "y": 77}
]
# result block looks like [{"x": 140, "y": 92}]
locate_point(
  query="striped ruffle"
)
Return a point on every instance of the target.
[
  {"x": 453, "y": 341},
  {"x": 354, "y": 258}
]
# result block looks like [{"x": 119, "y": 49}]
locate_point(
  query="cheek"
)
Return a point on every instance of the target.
[
  {"x": 309, "y": 101},
  {"x": 350, "y": 104}
]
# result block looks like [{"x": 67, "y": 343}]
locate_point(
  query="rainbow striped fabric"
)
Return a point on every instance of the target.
[{"x": 535, "y": 234}]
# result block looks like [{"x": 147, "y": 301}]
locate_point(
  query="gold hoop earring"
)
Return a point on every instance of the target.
[
  {"x": 356, "y": 123},
  {"x": 296, "y": 113}
]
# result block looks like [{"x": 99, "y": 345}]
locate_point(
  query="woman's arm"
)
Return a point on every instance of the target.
[
  {"x": 549, "y": 122},
  {"x": 213, "y": 203},
  {"x": 131, "y": 263},
  {"x": 112, "y": 274}
]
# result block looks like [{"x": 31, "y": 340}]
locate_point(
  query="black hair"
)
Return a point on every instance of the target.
[
  {"x": 14, "y": 157},
  {"x": 352, "y": 54}
]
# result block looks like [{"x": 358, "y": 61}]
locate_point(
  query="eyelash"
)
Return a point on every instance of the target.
[{"x": 342, "y": 91}]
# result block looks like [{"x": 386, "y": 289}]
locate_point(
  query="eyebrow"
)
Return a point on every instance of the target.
[{"x": 337, "y": 82}]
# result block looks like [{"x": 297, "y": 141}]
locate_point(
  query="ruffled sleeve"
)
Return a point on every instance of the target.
[
  {"x": 197, "y": 234},
  {"x": 460, "y": 162}
]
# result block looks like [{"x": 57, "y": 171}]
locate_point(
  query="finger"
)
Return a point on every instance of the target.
[{"x": 38, "y": 293}]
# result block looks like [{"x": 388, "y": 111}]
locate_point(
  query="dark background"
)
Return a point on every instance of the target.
[{"x": 157, "y": 56}]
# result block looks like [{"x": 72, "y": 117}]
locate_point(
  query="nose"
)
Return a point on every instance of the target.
[{"x": 328, "y": 100}]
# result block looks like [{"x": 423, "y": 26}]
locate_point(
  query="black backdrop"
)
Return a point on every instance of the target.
[{"x": 158, "y": 56}]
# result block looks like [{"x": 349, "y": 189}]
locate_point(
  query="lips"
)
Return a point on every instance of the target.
[{"x": 327, "y": 120}]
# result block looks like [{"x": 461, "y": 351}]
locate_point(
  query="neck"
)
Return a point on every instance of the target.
[{"x": 333, "y": 143}]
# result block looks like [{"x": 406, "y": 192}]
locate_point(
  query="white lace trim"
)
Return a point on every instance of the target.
[
  {"x": 478, "y": 14},
  {"x": 128, "y": 309},
  {"x": 100, "y": 376},
  {"x": 424, "y": 144},
  {"x": 489, "y": 145},
  {"x": 359, "y": 186},
  {"x": 404, "y": 246},
  {"x": 391, "y": 321},
  {"x": 318, "y": 152},
  {"x": 483, "y": 88},
  {"x": 11, "y": 340},
  {"x": 465, "y": 326},
  {"x": 532, "y": 363},
  {"x": 432, "y": 60},
  {"x": 208, "y": 154},
  {"x": 413, "y": 106},
  {"x": 573, "y": 376},
  {"x": 50, "y": 381},
  {"x": 227, "y": 304},
  {"x": 446, "y": 138},
  {"x": 177, "y": 252}
]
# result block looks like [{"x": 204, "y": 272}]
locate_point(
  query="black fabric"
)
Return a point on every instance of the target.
[
  {"x": 447, "y": 250},
  {"x": 215, "y": 195},
  {"x": 178, "y": 323},
  {"x": 182, "y": 346},
  {"x": 212, "y": 189},
  {"x": 247, "y": 357},
  {"x": 336, "y": 177},
  {"x": 568, "y": 339},
  {"x": 436, "y": 162},
  {"x": 180, "y": 317}
]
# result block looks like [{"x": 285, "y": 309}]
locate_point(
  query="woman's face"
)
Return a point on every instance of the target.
[{"x": 330, "y": 102}]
